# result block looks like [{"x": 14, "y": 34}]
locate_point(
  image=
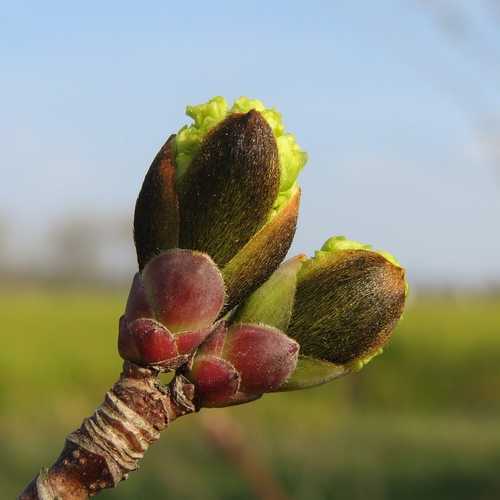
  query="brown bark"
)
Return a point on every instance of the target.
[{"x": 109, "y": 444}]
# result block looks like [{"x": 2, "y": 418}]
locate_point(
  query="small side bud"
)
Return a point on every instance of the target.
[
  {"x": 171, "y": 309},
  {"x": 185, "y": 290},
  {"x": 146, "y": 342},
  {"x": 238, "y": 364},
  {"x": 263, "y": 356},
  {"x": 216, "y": 380},
  {"x": 214, "y": 343}
]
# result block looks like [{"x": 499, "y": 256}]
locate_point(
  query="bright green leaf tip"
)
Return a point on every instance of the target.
[
  {"x": 189, "y": 138},
  {"x": 206, "y": 116},
  {"x": 358, "y": 364},
  {"x": 338, "y": 243}
]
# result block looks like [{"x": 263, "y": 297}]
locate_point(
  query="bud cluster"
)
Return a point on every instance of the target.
[
  {"x": 341, "y": 306},
  {"x": 214, "y": 219}
]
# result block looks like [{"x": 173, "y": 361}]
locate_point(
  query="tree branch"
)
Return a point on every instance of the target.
[{"x": 109, "y": 444}]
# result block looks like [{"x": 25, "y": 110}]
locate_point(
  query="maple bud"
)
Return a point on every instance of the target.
[
  {"x": 184, "y": 289},
  {"x": 171, "y": 307},
  {"x": 240, "y": 362},
  {"x": 350, "y": 295},
  {"x": 230, "y": 186},
  {"x": 341, "y": 306}
]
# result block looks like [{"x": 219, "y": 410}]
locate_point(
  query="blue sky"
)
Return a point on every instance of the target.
[{"x": 396, "y": 103}]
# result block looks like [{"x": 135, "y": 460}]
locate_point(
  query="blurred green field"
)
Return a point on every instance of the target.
[{"x": 422, "y": 421}]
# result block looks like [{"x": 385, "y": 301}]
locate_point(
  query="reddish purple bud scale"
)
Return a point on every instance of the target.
[
  {"x": 150, "y": 341},
  {"x": 214, "y": 343},
  {"x": 127, "y": 346},
  {"x": 187, "y": 342},
  {"x": 217, "y": 381},
  {"x": 137, "y": 303},
  {"x": 171, "y": 308},
  {"x": 262, "y": 355},
  {"x": 154, "y": 342},
  {"x": 185, "y": 289},
  {"x": 262, "y": 358}
]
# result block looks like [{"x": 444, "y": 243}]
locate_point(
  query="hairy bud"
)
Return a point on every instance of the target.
[
  {"x": 171, "y": 308},
  {"x": 347, "y": 304},
  {"x": 239, "y": 363},
  {"x": 184, "y": 288},
  {"x": 341, "y": 306},
  {"x": 263, "y": 356},
  {"x": 145, "y": 341},
  {"x": 230, "y": 186},
  {"x": 225, "y": 185}
]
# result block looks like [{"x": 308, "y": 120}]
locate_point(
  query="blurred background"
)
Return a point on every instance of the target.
[{"x": 397, "y": 104}]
